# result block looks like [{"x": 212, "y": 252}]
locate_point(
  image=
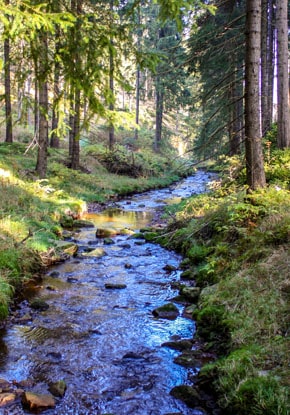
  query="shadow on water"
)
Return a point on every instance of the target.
[{"x": 105, "y": 343}]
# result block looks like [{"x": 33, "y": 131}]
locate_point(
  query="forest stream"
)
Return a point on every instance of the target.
[{"x": 99, "y": 334}]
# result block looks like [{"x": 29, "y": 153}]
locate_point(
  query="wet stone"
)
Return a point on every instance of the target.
[
  {"x": 39, "y": 304},
  {"x": 168, "y": 311},
  {"x": 7, "y": 399},
  {"x": 115, "y": 286},
  {"x": 37, "y": 402},
  {"x": 58, "y": 388},
  {"x": 186, "y": 394}
]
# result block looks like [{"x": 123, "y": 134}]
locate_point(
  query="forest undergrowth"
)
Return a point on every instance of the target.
[{"x": 236, "y": 248}]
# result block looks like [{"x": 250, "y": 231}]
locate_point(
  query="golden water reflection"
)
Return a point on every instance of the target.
[{"x": 119, "y": 219}]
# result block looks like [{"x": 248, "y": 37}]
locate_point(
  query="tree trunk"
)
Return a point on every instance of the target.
[
  {"x": 8, "y": 108},
  {"x": 137, "y": 109},
  {"x": 7, "y": 86},
  {"x": 54, "y": 139},
  {"x": 41, "y": 166},
  {"x": 111, "y": 84},
  {"x": 271, "y": 63},
  {"x": 254, "y": 155},
  {"x": 75, "y": 143},
  {"x": 264, "y": 68},
  {"x": 283, "y": 136},
  {"x": 159, "y": 115}
]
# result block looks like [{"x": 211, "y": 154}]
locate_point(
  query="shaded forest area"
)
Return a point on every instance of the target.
[{"x": 102, "y": 99}]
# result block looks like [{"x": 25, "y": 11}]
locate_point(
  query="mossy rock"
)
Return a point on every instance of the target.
[
  {"x": 186, "y": 394},
  {"x": 106, "y": 232},
  {"x": 190, "y": 293},
  {"x": 168, "y": 311},
  {"x": 126, "y": 231},
  {"x": 67, "y": 222},
  {"x": 187, "y": 359},
  {"x": 57, "y": 388},
  {"x": 150, "y": 236},
  {"x": 82, "y": 223},
  {"x": 188, "y": 275},
  {"x": 39, "y": 304}
]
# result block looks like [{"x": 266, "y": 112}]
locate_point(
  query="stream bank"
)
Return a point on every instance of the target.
[{"x": 95, "y": 327}]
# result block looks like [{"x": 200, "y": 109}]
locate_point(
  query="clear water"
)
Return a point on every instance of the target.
[{"x": 105, "y": 343}]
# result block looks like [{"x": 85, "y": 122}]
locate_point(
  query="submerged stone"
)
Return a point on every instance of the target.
[{"x": 7, "y": 398}]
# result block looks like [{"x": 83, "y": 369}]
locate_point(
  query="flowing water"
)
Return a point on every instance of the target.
[{"x": 105, "y": 343}]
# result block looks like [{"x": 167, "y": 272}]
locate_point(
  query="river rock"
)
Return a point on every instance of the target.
[
  {"x": 168, "y": 311},
  {"x": 126, "y": 231},
  {"x": 169, "y": 268},
  {"x": 178, "y": 345},
  {"x": 108, "y": 241},
  {"x": 58, "y": 388},
  {"x": 190, "y": 293},
  {"x": 186, "y": 394},
  {"x": 82, "y": 223},
  {"x": 115, "y": 286},
  {"x": 4, "y": 385},
  {"x": 98, "y": 253},
  {"x": 7, "y": 398},
  {"x": 39, "y": 304},
  {"x": 187, "y": 359},
  {"x": 37, "y": 402},
  {"x": 106, "y": 232}
]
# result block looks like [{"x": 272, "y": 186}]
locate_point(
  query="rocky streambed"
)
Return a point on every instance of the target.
[{"x": 103, "y": 333}]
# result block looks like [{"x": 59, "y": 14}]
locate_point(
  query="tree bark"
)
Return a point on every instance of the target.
[
  {"x": 283, "y": 137},
  {"x": 254, "y": 154},
  {"x": 7, "y": 86},
  {"x": 159, "y": 115},
  {"x": 264, "y": 69},
  {"x": 41, "y": 166},
  {"x": 54, "y": 139},
  {"x": 8, "y": 107}
]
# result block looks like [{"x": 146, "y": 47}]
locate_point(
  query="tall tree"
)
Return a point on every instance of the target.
[
  {"x": 253, "y": 143},
  {"x": 283, "y": 80},
  {"x": 7, "y": 83},
  {"x": 41, "y": 165}
]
